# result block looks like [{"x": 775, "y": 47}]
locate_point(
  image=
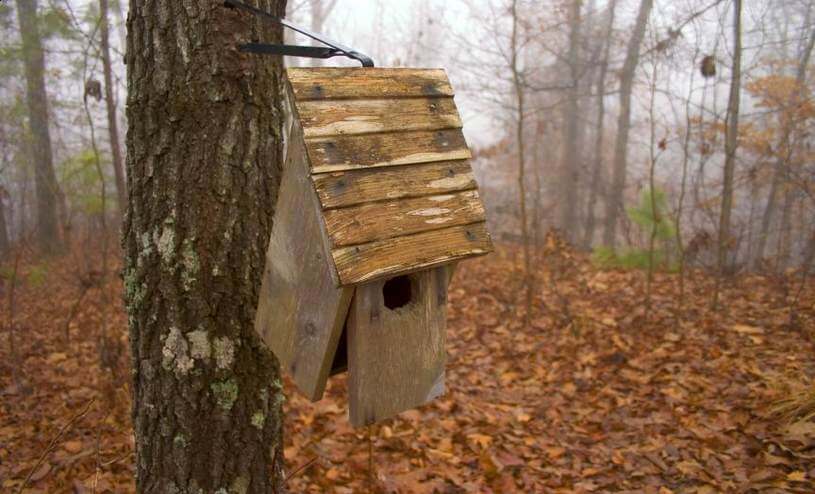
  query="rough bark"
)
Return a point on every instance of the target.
[
  {"x": 615, "y": 202},
  {"x": 45, "y": 180},
  {"x": 570, "y": 159},
  {"x": 731, "y": 143},
  {"x": 597, "y": 163},
  {"x": 204, "y": 159},
  {"x": 110, "y": 103}
]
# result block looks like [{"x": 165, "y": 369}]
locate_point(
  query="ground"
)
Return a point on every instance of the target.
[{"x": 598, "y": 393}]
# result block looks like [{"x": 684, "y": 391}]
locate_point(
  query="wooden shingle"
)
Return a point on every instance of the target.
[{"x": 389, "y": 167}]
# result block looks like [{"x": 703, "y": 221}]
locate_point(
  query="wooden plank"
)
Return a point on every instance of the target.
[
  {"x": 341, "y": 153},
  {"x": 301, "y": 311},
  {"x": 362, "y": 82},
  {"x": 342, "y": 189},
  {"x": 382, "y": 220},
  {"x": 323, "y": 118},
  {"x": 396, "y": 357},
  {"x": 389, "y": 257}
]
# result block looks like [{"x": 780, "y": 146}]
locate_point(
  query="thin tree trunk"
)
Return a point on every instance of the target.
[
  {"x": 570, "y": 160},
  {"x": 45, "y": 180},
  {"x": 782, "y": 163},
  {"x": 597, "y": 164},
  {"x": 110, "y": 103},
  {"x": 5, "y": 244},
  {"x": 519, "y": 134},
  {"x": 615, "y": 202},
  {"x": 653, "y": 156},
  {"x": 731, "y": 145},
  {"x": 204, "y": 162},
  {"x": 785, "y": 229}
]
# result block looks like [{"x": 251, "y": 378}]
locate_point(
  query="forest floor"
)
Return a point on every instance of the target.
[{"x": 597, "y": 393}]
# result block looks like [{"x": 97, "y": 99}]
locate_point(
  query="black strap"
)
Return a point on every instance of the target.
[{"x": 334, "y": 49}]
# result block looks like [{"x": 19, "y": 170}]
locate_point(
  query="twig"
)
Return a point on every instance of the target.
[
  {"x": 53, "y": 444},
  {"x": 299, "y": 469}
]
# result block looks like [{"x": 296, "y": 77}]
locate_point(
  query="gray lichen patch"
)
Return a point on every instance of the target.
[
  {"x": 224, "y": 352},
  {"x": 259, "y": 419},
  {"x": 190, "y": 265},
  {"x": 180, "y": 441},
  {"x": 175, "y": 353},
  {"x": 200, "y": 348},
  {"x": 165, "y": 243},
  {"x": 225, "y": 392},
  {"x": 239, "y": 486}
]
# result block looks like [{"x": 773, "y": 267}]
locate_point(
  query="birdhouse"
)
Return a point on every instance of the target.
[{"x": 376, "y": 205}]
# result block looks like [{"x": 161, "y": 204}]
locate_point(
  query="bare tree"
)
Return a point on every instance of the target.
[
  {"x": 519, "y": 87},
  {"x": 785, "y": 151},
  {"x": 730, "y": 145},
  {"x": 45, "y": 180},
  {"x": 615, "y": 202},
  {"x": 597, "y": 161},
  {"x": 110, "y": 103},
  {"x": 570, "y": 160}
]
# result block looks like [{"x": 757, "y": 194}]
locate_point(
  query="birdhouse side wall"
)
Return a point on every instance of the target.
[{"x": 301, "y": 311}]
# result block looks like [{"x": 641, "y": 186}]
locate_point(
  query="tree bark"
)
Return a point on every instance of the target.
[
  {"x": 110, "y": 103},
  {"x": 570, "y": 160},
  {"x": 45, "y": 180},
  {"x": 204, "y": 161},
  {"x": 730, "y": 146},
  {"x": 615, "y": 203},
  {"x": 597, "y": 164}
]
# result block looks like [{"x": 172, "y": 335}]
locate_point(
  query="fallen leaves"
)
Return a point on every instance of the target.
[{"x": 591, "y": 397}]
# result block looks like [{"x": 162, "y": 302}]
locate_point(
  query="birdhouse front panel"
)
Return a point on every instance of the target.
[
  {"x": 376, "y": 205},
  {"x": 389, "y": 164}
]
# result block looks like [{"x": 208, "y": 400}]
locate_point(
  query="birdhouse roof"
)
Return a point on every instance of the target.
[{"x": 390, "y": 169}]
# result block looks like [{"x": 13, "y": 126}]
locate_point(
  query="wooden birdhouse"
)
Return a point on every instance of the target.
[{"x": 376, "y": 205}]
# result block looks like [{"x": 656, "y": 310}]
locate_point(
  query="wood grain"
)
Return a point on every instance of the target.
[
  {"x": 301, "y": 311},
  {"x": 378, "y": 221},
  {"x": 342, "y": 189},
  {"x": 323, "y": 118},
  {"x": 389, "y": 257},
  {"x": 396, "y": 357},
  {"x": 341, "y": 153},
  {"x": 356, "y": 83}
]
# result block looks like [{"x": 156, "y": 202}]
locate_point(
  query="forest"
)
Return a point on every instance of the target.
[{"x": 634, "y": 179}]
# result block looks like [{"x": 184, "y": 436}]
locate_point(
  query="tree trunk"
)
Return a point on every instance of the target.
[
  {"x": 110, "y": 103},
  {"x": 785, "y": 228},
  {"x": 731, "y": 144},
  {"x": 45, "y": 180},
  {"x": 615, "y": 203},
  {"x": 570, "y": 160},
  {"x": 519, "y": 135},
  {"x": 5, "y": 243},
  {"x": 597, "y": 164},
  {"x": 204, "y": 161}
]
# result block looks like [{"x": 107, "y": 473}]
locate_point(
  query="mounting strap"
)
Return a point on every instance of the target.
[{"x": 332, "y": 48}]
